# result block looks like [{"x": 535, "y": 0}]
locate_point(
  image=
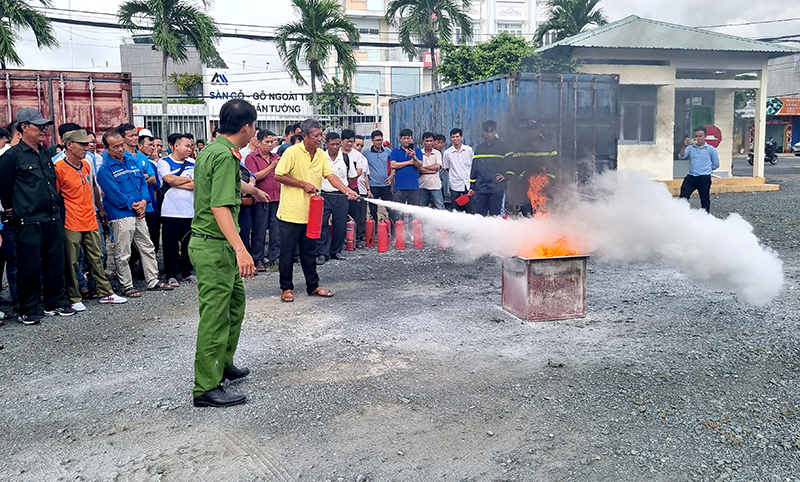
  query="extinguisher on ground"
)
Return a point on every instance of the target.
[
  {"x": 383, "y": 236},
  {"x": 399, "y": 235},
  {"x": 416, "y": 232},
  {"x": 350, "y": 237},
  {"x": 369, "y": 240}
]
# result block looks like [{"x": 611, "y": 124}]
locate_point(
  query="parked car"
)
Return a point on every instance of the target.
[{"x": 796, "y": 149}]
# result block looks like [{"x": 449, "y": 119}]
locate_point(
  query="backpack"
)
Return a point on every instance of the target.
[{"x": 165, "y": 186}]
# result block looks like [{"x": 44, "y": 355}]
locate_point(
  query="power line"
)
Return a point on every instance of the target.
[{"x": 758, "y": 22}]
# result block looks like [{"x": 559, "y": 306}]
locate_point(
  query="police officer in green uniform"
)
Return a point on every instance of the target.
[
  {"x": 534, "y": 155},
  {"x": 219, "y": 257}
]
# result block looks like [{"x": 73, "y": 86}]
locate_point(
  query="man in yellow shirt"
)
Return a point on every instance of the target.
[{"x": 300, "y": 171}]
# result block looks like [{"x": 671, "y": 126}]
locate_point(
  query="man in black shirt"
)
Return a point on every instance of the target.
[
  {"x": 28, "y": 190},
  {"x": 487, "y": 179}
]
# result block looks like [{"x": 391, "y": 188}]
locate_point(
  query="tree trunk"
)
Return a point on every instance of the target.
[
  {"x": 164, "y": 116},
  {"x": 313, "y": 90},
  {"x": 434, "y": 80}
]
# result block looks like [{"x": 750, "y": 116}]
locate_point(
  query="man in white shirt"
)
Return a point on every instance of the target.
[
  {"x": 176, "y": 173},
  {"x": 457, "y": 161},
  {"x": 252, "y": 146},
  {"x": 430, "y": 184},
  {"x": 335, "y": 202},
  {"x": 357, "y": 209}
]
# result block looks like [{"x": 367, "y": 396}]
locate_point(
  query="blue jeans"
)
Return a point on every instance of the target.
[
  {"x": 428, "y": 196},
  {"x": 253, "y": 230}
]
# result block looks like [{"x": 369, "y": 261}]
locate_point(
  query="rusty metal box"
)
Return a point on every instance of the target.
[{"x": 542, "y": 289}]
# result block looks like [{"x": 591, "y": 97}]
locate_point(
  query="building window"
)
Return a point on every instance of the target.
[
  {"x": 476, "y": 34},
  {"x": 549, "y": 38},
  {"x": 638, "y": 114},
  {"x": 405, "y": 80},
  {"x": 512, "y": 28},
  {"x": 136, "y": 90},
  {"x": 368, "y": 81}
]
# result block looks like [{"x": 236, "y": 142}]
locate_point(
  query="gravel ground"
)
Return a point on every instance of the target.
[{"x": 413, "y": 372}]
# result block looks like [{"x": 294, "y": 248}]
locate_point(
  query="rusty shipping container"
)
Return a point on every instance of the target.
[
  {"x": 578, "y": 112},
  {"x": 98, "y": 101}
]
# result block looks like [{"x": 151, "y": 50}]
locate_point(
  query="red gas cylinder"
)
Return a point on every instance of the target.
[
  {"x": 383, "y": 237},
  {"x": 314, "y": 226},
  {"x": 416, "y": 231},
  {"x": 369, "y": 240},
  {"x": 399, "y": 234},
  {"x": 350, "y": 237},
  {"x": 444, "y": 239}
]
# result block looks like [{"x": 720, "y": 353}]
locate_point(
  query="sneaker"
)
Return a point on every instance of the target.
[
  {"x": 79, "y": 306},
  {"x": 190, "y": 279},
  {"x": 32, "y": 319},
  {"x": 61, "y": 311},
  {"x": 114, "y": 299},
  {"x": 321, "y": 260}
]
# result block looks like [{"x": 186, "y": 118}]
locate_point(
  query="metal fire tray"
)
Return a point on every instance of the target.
[{"x": 543, "y": 289}]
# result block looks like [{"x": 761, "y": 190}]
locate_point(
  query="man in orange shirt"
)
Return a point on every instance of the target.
[{"x": 75, "y": 182}]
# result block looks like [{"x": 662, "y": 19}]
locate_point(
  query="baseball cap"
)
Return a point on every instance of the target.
[
  {"x": 533, "y": 123},
  {"x": 78, "y": 136},
  {"x": 29, "y": 115},
  {"x": 145, "y": 133}
]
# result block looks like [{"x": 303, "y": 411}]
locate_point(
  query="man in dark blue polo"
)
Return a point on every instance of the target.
[{"x": 703, "y": 159}]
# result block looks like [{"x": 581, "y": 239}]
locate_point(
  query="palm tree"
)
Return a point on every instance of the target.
[
  {"x": 313, "y": 37},
  {"x": 569, "y": 17},
  {"x": 15, "y": 16},
  {"x": 429, "y": 22},
  {"x": 175, "y": 25}
]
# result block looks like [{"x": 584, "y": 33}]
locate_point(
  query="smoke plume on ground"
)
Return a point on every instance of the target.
[{"x": 630, "y": 219}]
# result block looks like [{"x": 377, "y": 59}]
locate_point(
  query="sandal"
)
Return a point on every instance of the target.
[
  {"x": 173, "y": 283},
  {"x": 287, "y": 296},
  {"x": 260, "y": 268},
  {"x": 131, "y": 293},
  {"x": 161, "y": 286},
  {"x": 321, "y": 292}
]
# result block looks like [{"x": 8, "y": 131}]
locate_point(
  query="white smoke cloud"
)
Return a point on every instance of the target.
[{"x": 631, "y": 219}]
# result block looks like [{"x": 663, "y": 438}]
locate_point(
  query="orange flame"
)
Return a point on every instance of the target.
[
  {"x": 536, "y": 194},
  {"x": 538, "y": 200}
]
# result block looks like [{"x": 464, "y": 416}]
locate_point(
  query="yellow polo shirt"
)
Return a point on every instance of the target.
[{"x": 297, "y": 162}]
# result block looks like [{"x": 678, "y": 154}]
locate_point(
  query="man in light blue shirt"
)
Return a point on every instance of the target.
[{"x": 703, "y": 159}]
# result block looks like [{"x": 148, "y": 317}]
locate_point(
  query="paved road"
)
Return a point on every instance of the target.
[{"x": 788, "y": 165}]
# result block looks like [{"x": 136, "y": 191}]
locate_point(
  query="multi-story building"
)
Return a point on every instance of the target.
[{"x": 385, "y": 71}]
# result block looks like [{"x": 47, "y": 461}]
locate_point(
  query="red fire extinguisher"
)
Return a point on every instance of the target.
[
  {"x": 416, "y": 231},
  {"x": 383, "y": 236},
  {"x": 350, "y": 237},
  {"x": 444, "y": 239},
  {"x": 399, "y": 234},
  {"x": 369, "y": 240},
  {"x": 314, "y": 226}
]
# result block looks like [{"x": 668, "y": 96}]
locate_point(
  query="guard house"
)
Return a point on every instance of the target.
[{"x": 672, "y": 79}]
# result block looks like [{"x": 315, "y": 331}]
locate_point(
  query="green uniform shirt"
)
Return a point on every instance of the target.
[{"x": 217, "y": 183}]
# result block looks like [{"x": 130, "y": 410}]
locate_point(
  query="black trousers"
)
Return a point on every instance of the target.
[
  {"x": 467, "y": 208},
  {"x": 293, "y": 235},
  {"x": 384, "y": 193},
  {"x": 407, "y": 196},
  {"x": 40, "y": 256},
  {"x": 176, "y": 246},
  {"x": 358, "y": 211},
  {"x": 703, "y": 186},
  {"x": 153, "y": 221},
  {"x": 335, "y": 207},
  {"x": 488, "y": 204}
]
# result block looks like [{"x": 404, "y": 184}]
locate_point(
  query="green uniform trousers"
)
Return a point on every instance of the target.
[{"x": 221, "y": 299}]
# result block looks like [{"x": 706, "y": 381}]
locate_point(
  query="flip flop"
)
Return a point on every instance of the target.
[
  {"x": 321, "y": 292},
  {"x": 131, "y": 293},
  {"x": 161, "y": 286},
  {"x": 287, "y": 296}
]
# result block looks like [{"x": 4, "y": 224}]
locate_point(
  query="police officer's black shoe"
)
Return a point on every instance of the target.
[
  {"x": 234, "y": 373},
  {"x": 219, "y": 398}
]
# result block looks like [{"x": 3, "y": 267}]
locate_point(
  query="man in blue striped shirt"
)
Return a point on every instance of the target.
[{"x": 703, "y": 159}]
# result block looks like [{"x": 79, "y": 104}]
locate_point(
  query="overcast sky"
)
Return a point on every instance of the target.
[{"x": 98, "y": 47}]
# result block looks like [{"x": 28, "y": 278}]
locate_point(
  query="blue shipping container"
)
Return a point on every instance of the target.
[{"x": 578, "y": 112}]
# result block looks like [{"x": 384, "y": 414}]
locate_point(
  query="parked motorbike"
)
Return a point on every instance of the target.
[{"x": 770, "y": 153}]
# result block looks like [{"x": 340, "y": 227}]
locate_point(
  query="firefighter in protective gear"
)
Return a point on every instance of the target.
[{"x": 533, "y": 156}]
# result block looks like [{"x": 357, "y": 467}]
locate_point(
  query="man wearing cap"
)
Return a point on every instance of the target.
[
  {"x": 75, "y": 182},
  {"x": 534, "y": 155},
  {"x": 28, "y": 190}
]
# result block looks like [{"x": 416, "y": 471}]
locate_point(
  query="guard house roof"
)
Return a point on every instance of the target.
[{"x": 634, "y": 32}]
